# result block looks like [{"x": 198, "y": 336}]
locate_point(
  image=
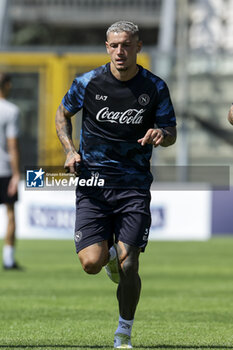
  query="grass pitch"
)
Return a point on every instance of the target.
[{"x": 186, "y": 300}]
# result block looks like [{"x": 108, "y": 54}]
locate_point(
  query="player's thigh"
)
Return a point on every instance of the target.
[
  {"x": 93, "y": 223},
  {"x": 133, "y": 228},
  {"x": 133, "y": 218},
  {"x": 91, "y": 228}
]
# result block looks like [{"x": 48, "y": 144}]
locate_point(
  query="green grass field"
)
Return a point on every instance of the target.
[{"x": 186, "y": 300}]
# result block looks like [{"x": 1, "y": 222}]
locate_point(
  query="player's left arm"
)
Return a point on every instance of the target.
[
  {"x": 230, "y": 115},
  {"x": 160, "y": 137},
  {"x": 165, "y": 120}
]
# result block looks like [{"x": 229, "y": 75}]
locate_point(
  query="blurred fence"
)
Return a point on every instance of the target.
[
  {"x": 86, "y": 12},
  {"x": 40, "y": 80},
  {"x": 207, "y": 97}
]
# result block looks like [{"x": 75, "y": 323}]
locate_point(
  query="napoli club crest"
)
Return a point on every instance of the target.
[
  {"x": 143, "y": 99},
  {"x": 78, "y": 236}
]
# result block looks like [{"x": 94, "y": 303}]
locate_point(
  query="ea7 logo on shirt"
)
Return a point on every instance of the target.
[
  {"x": 143, "y": 99},
  {"x": 101, "y": 97}
]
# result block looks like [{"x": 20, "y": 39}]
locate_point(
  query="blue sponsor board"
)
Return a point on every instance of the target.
[
  {"x": 64, "y": 217},
  {"x": 51, "y": 217},
  {"x": 222, "y": 212},
  {"x": 158, "y": 217}
]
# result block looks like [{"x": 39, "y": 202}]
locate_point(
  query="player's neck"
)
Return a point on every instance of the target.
[{"x": 124, "y": 75}]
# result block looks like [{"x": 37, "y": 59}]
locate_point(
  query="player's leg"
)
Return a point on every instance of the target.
[
  {"x": 129, "y": 287},
  {"x": 132, "y": 229},
  {"x": 128, "y": 292},
  {"x": 93, "y": 229},
  {"x": 10, "y": 233},
  {"x": 9, "y": 241},
  {"x": 9, "y": 244},
  {"x": 94, "y": 257}
]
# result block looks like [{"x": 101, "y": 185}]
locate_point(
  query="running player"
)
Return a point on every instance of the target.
[
  {"x": 126, "y": 111},
  {"x": 9, "y": 167}
]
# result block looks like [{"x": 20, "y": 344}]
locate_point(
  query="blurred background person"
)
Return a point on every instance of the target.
[
  {"x": 230, "y": 115},
  {"x": 9, "y": 167}
]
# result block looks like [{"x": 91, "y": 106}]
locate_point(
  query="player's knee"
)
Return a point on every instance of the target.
[
  {"x": 91, "y": 266},
  {"x": 129, "y": 266},
  {"x": 10, "y": 212}
]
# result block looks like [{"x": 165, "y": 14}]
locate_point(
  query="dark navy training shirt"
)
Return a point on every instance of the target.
[{"x": 115, "y": 115}]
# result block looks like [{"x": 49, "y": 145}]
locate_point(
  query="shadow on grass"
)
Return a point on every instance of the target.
[{"x": 62, "y": 346}]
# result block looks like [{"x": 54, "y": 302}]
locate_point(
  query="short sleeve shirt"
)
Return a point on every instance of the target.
[
  {"x": 115, "y": 115},
  {"x": 9, "y": 114}
]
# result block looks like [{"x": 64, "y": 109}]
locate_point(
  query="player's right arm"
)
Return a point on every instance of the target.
[{"x": 64, "y": 133}]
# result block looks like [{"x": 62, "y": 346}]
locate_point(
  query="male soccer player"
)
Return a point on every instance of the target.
[
  {"x": 9, "y": 167},
  {"x": 230, "y": 115},
  {"x": 126, "y": 111}
]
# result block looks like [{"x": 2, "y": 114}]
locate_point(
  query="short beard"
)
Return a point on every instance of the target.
[{"x": 123, "y": 69}]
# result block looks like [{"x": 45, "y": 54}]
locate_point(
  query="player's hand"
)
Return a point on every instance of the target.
[
  {"x": 153, "y": 137},
  {"x": 13, "y": 185},
  {"x": 73, "y": 159}
]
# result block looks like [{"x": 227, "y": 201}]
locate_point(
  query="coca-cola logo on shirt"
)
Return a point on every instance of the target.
[{"x": 130, "y": 116}]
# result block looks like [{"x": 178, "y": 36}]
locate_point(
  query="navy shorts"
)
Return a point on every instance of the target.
[
  {"x": 112, "y": 215},
  {"x": 4, "y": 198}
]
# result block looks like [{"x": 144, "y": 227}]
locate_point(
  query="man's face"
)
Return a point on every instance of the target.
[{"x": 123, "y": 48}]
